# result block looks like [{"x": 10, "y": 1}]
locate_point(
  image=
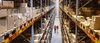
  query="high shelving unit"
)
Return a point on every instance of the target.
[
  {"x": 68, "y": 19},
  {"x": 15, "y": 33}
]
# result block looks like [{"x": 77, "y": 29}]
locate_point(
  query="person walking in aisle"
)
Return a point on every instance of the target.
[{"x": 55, "y": 29}]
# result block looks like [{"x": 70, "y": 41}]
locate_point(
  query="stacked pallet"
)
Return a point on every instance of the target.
[{"x": 7, "y": 17}]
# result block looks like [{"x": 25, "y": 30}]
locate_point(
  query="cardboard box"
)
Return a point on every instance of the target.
[
  {"x": 65, "y": 8},
  {"x": 18, "y": 19},
  {"x": 11, "y": 21},
  {"x": 72, "y": 37},
  {"x": 10, "y": 12},
  {"x": 23, "y": 10},
  {"x": 5, "y": 12},
  {"x": 23, "y": 5},
  {"x": 95, "y": 26},
  {"x": 96, "y": 19},
  {"x": 4, "y": 25},
  {"x": 8, "y": 3},
  {"x": 87, "y": 11}
]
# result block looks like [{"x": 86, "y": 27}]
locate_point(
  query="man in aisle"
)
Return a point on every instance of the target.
[{"x": 55, "y": 29}]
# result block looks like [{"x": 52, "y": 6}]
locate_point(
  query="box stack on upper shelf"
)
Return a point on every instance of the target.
[
  {"x": 14, "y": 21},
  {"x": 7, "y": 16}
]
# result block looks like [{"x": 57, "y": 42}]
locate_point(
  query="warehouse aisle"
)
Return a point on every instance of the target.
[{"x": 56, "y": 37}]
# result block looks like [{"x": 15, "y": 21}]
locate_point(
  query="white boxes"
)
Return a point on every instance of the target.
[
  {"x": 11, "y": 21},
  {"x": 23, "y": 10},
  {"x": 96, "y": 19},
  {"x": 95, "y": 26},
  {"x": 8, "y": 3},
  {"x": 4, "y": 25},
  {"x": 23, "y": 5},
  {"x": 18, "y": 19},
  {"x": 72, "y": 37},
  {"x": 5, "y": 12}
]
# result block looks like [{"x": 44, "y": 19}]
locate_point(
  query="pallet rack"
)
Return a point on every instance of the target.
[
  {"x": 94, "y": 38},
  {"x": 25, "y": 26}
]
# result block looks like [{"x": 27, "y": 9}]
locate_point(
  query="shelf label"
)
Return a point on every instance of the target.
[
  {"x": 96, "y": 41},
  {"x": 20, "y": 31},
  {"x": 6, "y": 41},
  {"x": 28, "y": 25}
]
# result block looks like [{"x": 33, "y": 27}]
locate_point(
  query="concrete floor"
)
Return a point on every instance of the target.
[{"x": 56, "y": 37}]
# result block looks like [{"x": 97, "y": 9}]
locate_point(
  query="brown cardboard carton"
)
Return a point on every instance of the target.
[
  {"x": 96, "y": 19},
  {"x": 4, "y": 25},
  {"x": 95, "y": 26},
  {"x": 65, "y": 7},
  {"x": 23, "y": 10},
  {"x": 23, "y": 5},
  {"x": 18, "y": 19},
  {"x": 87, "y": 11},
  {"x": 8, "y": 3},
  {"x": 98, "y": 12},
  {"x": 11, "y": 21},
  {"x": 5, "y": 12}
]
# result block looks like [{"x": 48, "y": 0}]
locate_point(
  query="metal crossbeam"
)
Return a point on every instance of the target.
[
  {"x": 25, "y": 38},
  {"x": 82, "y": 39}
]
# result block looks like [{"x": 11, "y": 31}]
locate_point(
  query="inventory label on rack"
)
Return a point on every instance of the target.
[
  {"x": 96, "y": 40},
  {"x": 20, "y": 31},
  {"x": 6, "y": 41},
  {"x": 28, "y": 25}
]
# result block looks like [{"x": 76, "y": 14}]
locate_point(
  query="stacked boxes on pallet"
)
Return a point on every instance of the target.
[
  {"x": 72, "y": 37},
  {"x": 25, "y": 11},
  {"x": 8, "y": 3},
  {"x": 18, "y": 19},
  {"x": 6, "y": 17},
  {"x": 95, "y": 24}
]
